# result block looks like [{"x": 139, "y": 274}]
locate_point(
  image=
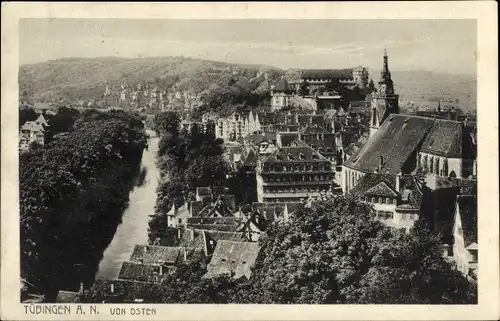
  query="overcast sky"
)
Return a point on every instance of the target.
[{"x": 433, "y": 45}]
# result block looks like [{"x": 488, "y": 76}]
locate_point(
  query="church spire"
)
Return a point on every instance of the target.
[{"x": 385, "y": 73}]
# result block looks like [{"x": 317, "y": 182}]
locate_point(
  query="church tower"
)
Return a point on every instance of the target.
[{"x": 385, "y": 101}]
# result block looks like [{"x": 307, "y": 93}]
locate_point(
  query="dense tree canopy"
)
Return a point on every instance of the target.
[
  {"x": 72, "y": 195},
  {"x": 186, "y": 160},
  {"x": 330, "y": 252}
]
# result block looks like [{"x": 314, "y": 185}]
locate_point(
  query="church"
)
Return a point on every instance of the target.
[{"x": 409, "y": 144}]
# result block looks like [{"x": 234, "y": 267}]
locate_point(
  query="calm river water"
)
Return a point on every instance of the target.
[{"x": 134, "y": 227}]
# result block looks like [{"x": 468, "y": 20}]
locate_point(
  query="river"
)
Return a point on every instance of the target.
[{"x": 134, "y": 227}]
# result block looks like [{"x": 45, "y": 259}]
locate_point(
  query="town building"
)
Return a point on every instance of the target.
[
  {"x": 396, "y": 199},
  {"x": 316, "y": 78},
  {"x": 32, "y": 131},
  {"x": 292, "y": 174},
  {"x": 465, "y": 244},
  {"x": 407, "y": 144}
]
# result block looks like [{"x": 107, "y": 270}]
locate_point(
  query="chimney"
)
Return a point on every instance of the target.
[
  {"x": 80, "y": 291},
  {"x": 178, "y": 233},
  {"x": 381, "y": 164},
  {"x": 112, "y": 288},
  {"x": 398, "y": 181}
]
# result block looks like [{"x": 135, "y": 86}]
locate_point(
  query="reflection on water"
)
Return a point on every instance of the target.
[{"x": 134, "y": 227}]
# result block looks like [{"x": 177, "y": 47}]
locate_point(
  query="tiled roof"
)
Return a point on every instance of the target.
[
  {"x": 281, "y": 86},
  {"x": 151, "y": 254},
  {"x": 214, "y": 223},
  {"x": 398, "y": 137},
  {"x": 216, "y": 209},
  {"x": 286, "y": 138},
  {"x": 257, "y": 138},
  {"x": 196, "y": 207},
  {"x": 138, "y": 272},
  {"x": 32, "y": 126},
  {"x": 370, "y": 180},
  {"x": 233, "y": 257},
  {"x": 295, "y": 154},
  {"x": 204, "y": 191},
  {"x": 381, "y": 189},
  {"x": 222, "y": 235},
  {"x": 68, "y": 297},
  {"x": 444, "y": 139}
]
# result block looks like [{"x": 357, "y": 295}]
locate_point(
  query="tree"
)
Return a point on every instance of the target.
[
  {"x": 304, "y": 89},
  {"x": 334, "y": 252},
  {"x": 26, "y": 114}
]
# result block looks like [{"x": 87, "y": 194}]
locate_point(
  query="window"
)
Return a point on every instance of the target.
[
  {"x": 380, "y": 200},
  {"x": 387, "y": 201},
  {"x": 394, "y": 201},
  {"x": 373, "y": 200}
]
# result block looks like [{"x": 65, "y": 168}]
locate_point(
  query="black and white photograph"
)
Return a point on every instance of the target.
[{"x": 247, "y": 161}]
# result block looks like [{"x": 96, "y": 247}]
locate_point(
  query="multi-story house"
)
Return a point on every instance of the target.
[
  {"x": 32, "y": 131},
  {"x": 292, "y": 174},
  {"x": 465, "y": 245},
  {"x": 396, "y": 199}
]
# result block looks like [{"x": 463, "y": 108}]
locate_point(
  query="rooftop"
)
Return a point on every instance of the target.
[
  {"x": 138, "y": 272},
  {"x": 295, "y": 154},
  {"x": 233, "y": 257},
  {"x": 151, "y": 254},
  {"x": 398, "y": 137}
]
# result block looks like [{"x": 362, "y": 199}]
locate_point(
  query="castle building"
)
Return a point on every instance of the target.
[{"x": 385, "y": 102}]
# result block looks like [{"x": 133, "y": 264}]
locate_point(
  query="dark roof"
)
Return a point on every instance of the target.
[
  {"x": 257, "y": 138},
  {"x": 250, "y": 159},
  {"x": 214, "y": 223},
  {"x": 287, "y": 138},
  {"x": 138, "y": 272},
  {"x": 370, "y": 180},
  {"x": 151, "y": 254},
  {"x": 306, "y": 120},
  {"x": 398, "y": 137},
  {"x": 216, "y": 209},
  {"x": 467, "y": 206},
  {"x": 196, "y": 207},
  {"x": 281, "y": 86},
  {"x": 204, "y": 191},
  {"x": 233, "y": 257},
  {"x": 68, "y": 297},
  {"x": 327, "y": 73},
  {"x": 297, "y": 154},
  {"x": 223, "y": 235},
  {"x": 444, "y": 139}
]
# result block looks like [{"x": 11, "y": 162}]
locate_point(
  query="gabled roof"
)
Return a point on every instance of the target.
[
  {"x": 398, "y": 137},
  {"x": 151, "y": 254},
  {"x": 444, "y": 139},
  {"x": 32, "y": 126},
  {"x": 250, "y": 159},
  {"x": 281, "y": 86},
  {"x": 138, "y": 272},
  {"x": 216, "y": 209},
  {"x": 42, "y": 120},
  {"x": 381, "y": 189},
  {"x": 233, "y": 257},
  {"x": 371, "y": 180}
]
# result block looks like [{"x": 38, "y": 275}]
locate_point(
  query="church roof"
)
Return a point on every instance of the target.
[
  {"x": 398, "y": 137},
  {"x": 444, "y": 139}
]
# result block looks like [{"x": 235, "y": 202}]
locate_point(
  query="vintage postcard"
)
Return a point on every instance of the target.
[{"x": 251, "y": 161}]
